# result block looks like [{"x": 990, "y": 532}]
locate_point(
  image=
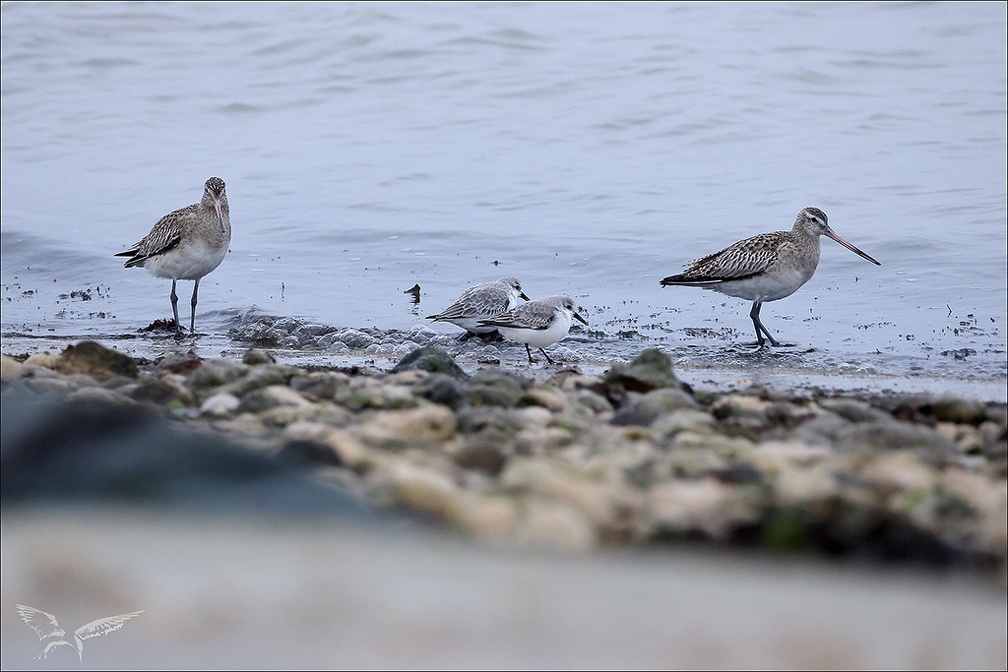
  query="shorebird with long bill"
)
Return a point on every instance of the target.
[
  {"x": 766, "y": 267},
  {"x": 186, "y": 244}
]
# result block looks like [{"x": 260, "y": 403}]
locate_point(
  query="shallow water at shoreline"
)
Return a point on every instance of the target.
[{"x": 589, "y": 148}]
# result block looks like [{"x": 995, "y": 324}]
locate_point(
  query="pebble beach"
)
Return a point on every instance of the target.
[
  {"x": 631, "y": 457},
  {"x": 624, "y": 496}
]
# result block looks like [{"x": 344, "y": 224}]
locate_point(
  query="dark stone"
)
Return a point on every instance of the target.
[
  {"x": 742, "y": 473},
  {"x": 643, "y": 410},
  {"x": 854, "y": 410},
  {"x": 105, "y": 454},
  {"x": 213, "y": 374},
  {"x": 311, "y": 452},
  {"x": 913, "y": 408},
  {"x": 442, "y": 389},
  {"x": 651, "y": 370},
  {"x": 96, "y": 361},
  {"x": 483, "y": 452},
  {"x": 180, "y": 363},
  {"x": 255, "y": 356},
  {"x": 474, "y": 419},
  {"x": 158, "y": 392},
  {"x": 858, "y": 532},
  {"x": 638, "y": 414},
  {"x": 318, "y": 385},
  {"x": 958, "y": 410},
  {"x": 259, "y": 378},
  {"x": 430, "y": 358},
  {"x": 924, "y": 442},
  {"x": 640, "y": 474},
  {"x": 492, "y": 387},
  {"x": 257, "y": 401}
]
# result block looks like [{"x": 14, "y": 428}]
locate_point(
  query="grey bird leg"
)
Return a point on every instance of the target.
[
  {"x": 174, "y": 307},
  {"x": 546, "y": 356},
  {"x": 192, "y": 318},
  {"x": 529, "y": 351},
  {"x": 760, "y": 329}
]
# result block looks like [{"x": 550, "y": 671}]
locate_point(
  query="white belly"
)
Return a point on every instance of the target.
[
  {"x": 471, "y": 324},
  {"x": 540, "y": 338},
  {"x": 186, "y": 262},
  {"x": 767, "y": 287}
]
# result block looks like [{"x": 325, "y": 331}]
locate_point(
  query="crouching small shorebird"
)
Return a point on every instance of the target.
[
  {"x": 482, "y": 302},
  {"x": 766, "y": 267},
  {"x": 538, "y": 323},
  {"x": 186, "y": 244}
]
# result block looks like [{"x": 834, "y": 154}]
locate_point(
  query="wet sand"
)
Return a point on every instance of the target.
[{"x": 717, "y": 369}]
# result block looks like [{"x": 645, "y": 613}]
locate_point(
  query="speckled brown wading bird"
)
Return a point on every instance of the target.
[
  {"x": 766, "y": 267},
  {"x": 186, "y": 244}
]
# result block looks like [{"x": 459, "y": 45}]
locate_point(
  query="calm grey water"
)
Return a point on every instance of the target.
[{"x": 588, "y": 149}]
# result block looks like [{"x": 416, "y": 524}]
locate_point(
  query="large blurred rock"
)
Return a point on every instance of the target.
[
  {"x": 651, "y": 370},
  {"x": 128, "y": 455}
]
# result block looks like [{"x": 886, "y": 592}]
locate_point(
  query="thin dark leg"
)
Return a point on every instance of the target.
[
  {"x": 546, "y": 356},
  {"x": 192, "y": 318},
  {"x": 529, "y": 351},
  {"x": 760, "y": 329},
  {"x": 174, "y": 308}
]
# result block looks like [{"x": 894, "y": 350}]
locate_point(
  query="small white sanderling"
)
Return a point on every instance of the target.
[
  {"x": 481, "y": 302},
  {"x": 538, "y": 323}
]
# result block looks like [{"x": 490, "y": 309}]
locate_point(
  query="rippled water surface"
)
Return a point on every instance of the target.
[{"x": 589, "y": 149}]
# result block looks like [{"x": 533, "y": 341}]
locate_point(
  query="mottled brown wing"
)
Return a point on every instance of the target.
[{"x": 165, "y": 235}]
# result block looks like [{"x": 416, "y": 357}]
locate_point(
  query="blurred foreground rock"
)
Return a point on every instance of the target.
[{"x": 230, "y": 592}]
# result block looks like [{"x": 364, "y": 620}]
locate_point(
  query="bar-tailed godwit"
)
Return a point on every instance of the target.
[
  {"x": 538, "y": 323},
  {"x": 186, "y": 244},
  {"x": 481, "y": 302},
  {"x": 766, "y": 267}
]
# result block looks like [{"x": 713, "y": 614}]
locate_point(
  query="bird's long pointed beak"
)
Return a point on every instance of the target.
[
  {"x": 524, "y": 296},
  {"x": 579, "y": 318},
  {"x": 220, "y": 214},
  {"x": 832, "y": 234}
]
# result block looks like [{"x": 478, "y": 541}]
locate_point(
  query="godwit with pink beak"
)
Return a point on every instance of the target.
[{"x": 766, "y": 267}]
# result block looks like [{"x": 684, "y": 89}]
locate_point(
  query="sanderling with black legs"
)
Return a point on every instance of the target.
[
  {"x": 766, "y": 267},
  {"x": 538, "y": 323},
  {"x": 186, "y": 244}
]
